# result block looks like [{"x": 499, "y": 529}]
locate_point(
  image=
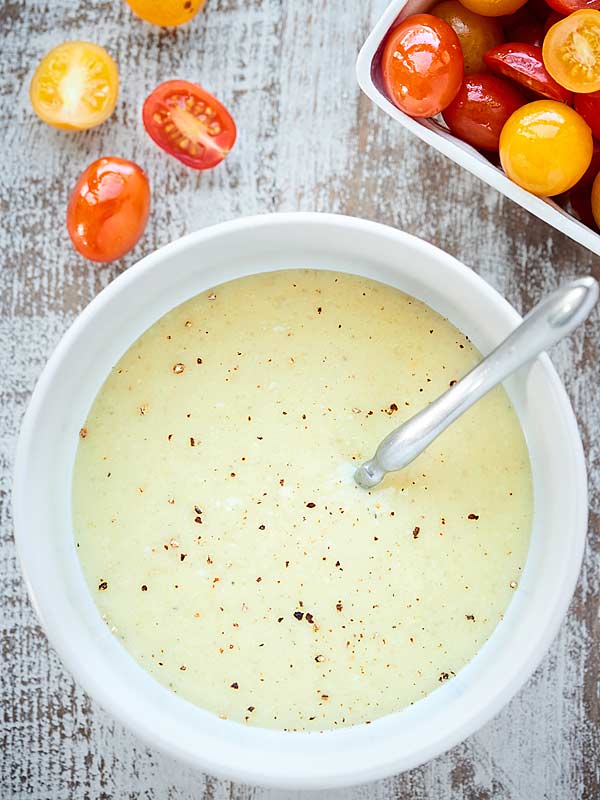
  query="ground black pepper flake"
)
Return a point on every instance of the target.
[
  {"x": 144, "y": 587},
  {"x": 473, "y": 516},
  {"x": 259, "y": 579},
  {"x": 235, "y": 685},
  {"x": 250, "y": 709},
  {"x": 319, "y": 659},
  {"x": 452, "y": 383},
  {"x": 183, "y": 668},
  {"x": 309, "y": 618},
  {"x": 339, "y": 606},
  {"x": 198, "y": 361},
  {"x": 261, "y": 527},
  {"x": 183, "y": 556},
  {"x": 170, "y": 436},
  {"x": 102, "y": 586},
  {"x": 279, "y": 619},
  {"x": 443, "y": 677},
  {"x": 178, "y": 368},
  {"x": 83, "y": 433},
  {"x": 192, "y": 442},
  {"x": 298, "y": 614},
  {"x": 470, "y": 617},
  {"x": 310, "y": 505},
  {"x": 416, "y": 532}
]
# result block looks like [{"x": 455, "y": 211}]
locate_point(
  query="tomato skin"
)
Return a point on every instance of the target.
[
  {"x": 476, "y": 34},
  {"x": 545, "y": 147},
  {"x": 571, "y": 51},
  {"x": 422, "y": 65},
  {"x": 595, "y": 200},
  {"x": 478, "y": 112},
  {"x": 523, "y": 63},
  {"x": 108, "y": 209},
  {"x": 493, "y": 8},
  {"x": 166, "y": 13},
  {"x": 588, "y": 105},
  {"x": 568, "y": 6},
  {"x": 197, "y": 119}
]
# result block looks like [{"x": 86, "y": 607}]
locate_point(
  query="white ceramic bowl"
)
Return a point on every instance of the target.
[
  {"x": 368, "y": 75},
  {"x": 42, "y": 504}
]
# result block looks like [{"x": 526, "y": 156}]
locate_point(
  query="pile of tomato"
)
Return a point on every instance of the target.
[
  {"x": 518, "y": 79},
  {"x": 75, "y": 87}
]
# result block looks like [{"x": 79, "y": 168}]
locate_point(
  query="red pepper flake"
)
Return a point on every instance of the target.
[
  {"x": 393, "y": 407},
  {"x": 416, "y": 532},
  {"x": 235, "y": 685},
  {"x": 144, "y": 587},
  {"x": 310, "y": 618},
  {"x": 192, "y": 442},
  {"x": 339, "y": 605},
  {"x": 183, "y": 556},
  {"x": 102, "y": 586},
  {"x": 298, "y": 615},
  {"x": 178, "y": 368},
  {"x": 473, "y": 516},
  {"x": 470, "y": 617},
  {"x": 310, "y": 505},
  {"x": 83, "y": 433}
]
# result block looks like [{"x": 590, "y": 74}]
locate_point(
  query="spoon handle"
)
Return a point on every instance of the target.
[{"x": 553, "y": 318}]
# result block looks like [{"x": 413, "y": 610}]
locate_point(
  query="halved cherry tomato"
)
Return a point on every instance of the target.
[
  {"x": 189, "y": 123},
  {"x": 545, "y": 147},
  {"x": 422, "y": 65},
  {"x": 493, "y": 8},
  {"x": 478, "y": 112},
  {"x": 595, "y": 198},
  {"x": 75, "y": 86},
  {"x": 108, "y": 209},
  {"x": 166, "y": 12},
  {"x": 476, "y": 34},
  {"x": 568, "y": 6},
  {"x": 523, "y": 63},
  {"x": 588, "y": 105},
  {"x": 571, "y": 51}
]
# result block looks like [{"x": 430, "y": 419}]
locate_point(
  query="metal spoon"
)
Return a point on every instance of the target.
[{"x": 553, "y": 318}]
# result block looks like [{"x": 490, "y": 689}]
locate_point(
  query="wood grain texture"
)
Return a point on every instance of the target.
[{"x": 308, "y": 141}]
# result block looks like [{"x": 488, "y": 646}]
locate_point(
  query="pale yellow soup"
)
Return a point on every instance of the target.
[{"x": 222, "y": 535}]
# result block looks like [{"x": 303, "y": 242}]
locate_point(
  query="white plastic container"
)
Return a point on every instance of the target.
[
  {"x": 42, "y": 504},
  {"x": 368, "y": 75}
]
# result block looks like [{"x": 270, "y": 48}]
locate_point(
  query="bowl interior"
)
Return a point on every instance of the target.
[{"x": 42, "y": 500}]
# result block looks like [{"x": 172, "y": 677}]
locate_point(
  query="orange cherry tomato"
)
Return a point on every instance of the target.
[
  {"x": 422, "y": 65},
  {"x": 75, "y": 86},
  {"x": 545, "y": 147},
  {"x": 571, "y": 51},
  {"x": 476, "y": 34},
  {"x": 596, "y": 200},
  {"x": 166, "y": 13},
  {"x": 189, "y": 123},
  {"x": 108, "y": 209},
  {"x": 493, "y": 8}
]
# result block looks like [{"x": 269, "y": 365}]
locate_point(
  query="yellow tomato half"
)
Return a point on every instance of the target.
[
  {"x": 571, "y": 51},
  {"x": 545, "y": 147},
  {"x": 166, "y": 13},
  {"x": 493, "y": 8},
  {"x": 75, "y": 86}
]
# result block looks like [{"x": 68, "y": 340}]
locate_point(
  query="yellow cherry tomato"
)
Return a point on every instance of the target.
[
  {"x": 75, "y": 86},
  {"x": 545, "y": 147},
  {"x": 166, "y": 13},
  {"x": 493, "y": 8},
  {"x": 596, "y": 200},
  {"x": 476, "y": 34},
  {"x": 571, "y": 51}
]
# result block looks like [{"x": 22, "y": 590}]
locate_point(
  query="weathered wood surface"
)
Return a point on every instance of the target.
[{"x": 308, "y": 141}]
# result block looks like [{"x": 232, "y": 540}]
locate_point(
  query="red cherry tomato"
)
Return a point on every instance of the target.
[
  {"x": 478, "y": 112},
  {"x": 588, "y": 105},
  {"x": 568, "y": 6},
  {"x": 422, "y": 65},
  {"x": 108, "y": 209},
  {"x": 524, "y": 64},
  {"x": 551, "y": 20},
  {"x": 189, "y": 123},
  {"x": 529, "y": 33}
]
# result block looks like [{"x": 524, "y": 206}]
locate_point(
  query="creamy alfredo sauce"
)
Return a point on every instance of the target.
[{"x": 220, "y": 530}]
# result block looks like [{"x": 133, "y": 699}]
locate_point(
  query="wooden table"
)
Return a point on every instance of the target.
[{"x": 307, "y": 140}]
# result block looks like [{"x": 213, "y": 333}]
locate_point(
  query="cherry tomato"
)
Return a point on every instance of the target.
[
  {"x": 568, "y": 6},
  {"x": 108, "y": 209},
  {"x": 545, "y": 147},
  {"x": 478, "y": 112},
  {"x": 75, "y": 86},
  {"x": 588, "y": 105},
  {"x": 571, "y": 51},
  {"x": 523, "y": 63},
  {"x": 166, "y": 13},
  {"x": 552, "y": 19},
  {"x": 493, "y": 8},
  {"x": 189, "y": 123},
  {"x": 476, "y": 34},
  {"x": 596, "y": 201},
  {"x": 594, "y": 168},
  {"x": 529, "y": 33},
  {"x": 422, "y": 65}
]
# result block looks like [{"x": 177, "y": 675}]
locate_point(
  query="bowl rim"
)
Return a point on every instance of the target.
[
  {"x": 447, "y": 144},
  {"x": 86, "y": 674}
]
